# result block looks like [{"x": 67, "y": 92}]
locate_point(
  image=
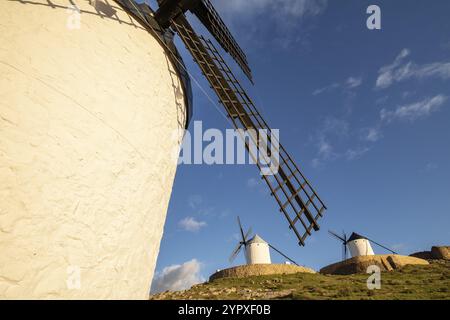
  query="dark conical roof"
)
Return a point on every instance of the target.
[{"x": 356, "y": 236}]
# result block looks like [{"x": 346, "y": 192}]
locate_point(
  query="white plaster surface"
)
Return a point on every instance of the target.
[
  {"x": 360, "y": 247},
  {"x": 258, "y": 253},
  {"x": 87, "y": 118}
]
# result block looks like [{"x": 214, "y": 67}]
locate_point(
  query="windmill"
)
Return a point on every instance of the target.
[
  {"x": 242, "y": 243},
  {"x": 256, "y": 249},
  {"x": 296, "y": 198},
  {"x": 342, "y": 238},
  {"x": 357, "y": 244}
]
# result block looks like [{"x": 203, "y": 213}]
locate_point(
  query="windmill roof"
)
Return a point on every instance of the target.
[
  {"x": 257, "y": 239},
  {"x": 356, "y": 236}
]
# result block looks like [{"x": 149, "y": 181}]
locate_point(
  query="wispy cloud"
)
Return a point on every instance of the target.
[
  {"x": 325, "y": 150},
  {"x": 195, "y": 200},
  {"x": 331, "y": 132},
  {"x": 177, "y": 277},
  {"x": 431, "y": 166},
  {"x": 332, "y": 139},
  {"x": 414, "y": 111},
  {"x": 284, "y": 19},
  {"x": 353, "y": 82},
  {"x": 400, "y": 70},
  {"x": 372, "y": 134},
  {"x": 325, "y": 89},
  {"x": 285, "y": 11},
  {"x": 191, "y": 224},
  {"x": 201, "y": 207},
  {"x": 354, "y": 154},
  {"x": 348, "y": 84}
]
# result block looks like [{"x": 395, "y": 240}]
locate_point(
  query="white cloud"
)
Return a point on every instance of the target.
[
  {"x": 431, "y": 166},
  {"x": 316, "y": 163},
  {"x": 195, "y": 200},
  {"x": 286, "y": 20},
  {"x": 177, "y": 277},
  {"x": 282, "y": 9},
  {"x": 353, "y": 82},
  {"x": 335, "y": 127},
  {"x": 331, "y": 132},
  {"x": 328, "y": 88},
  {"x": 350, "y": 83},
  {"x": 325, "y": 149},
  {"x": 354, "y": 154},
  {"x": 400, "y": 71},
  {"x": 372, "y": 134},
  {"x": 191, "y": 225},
  {"x": 414, "y": 111},
  {"x": 387, "y": 73}
]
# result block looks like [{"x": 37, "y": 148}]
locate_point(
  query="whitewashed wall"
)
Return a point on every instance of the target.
[
  {"x": 258, "y": 253},
  {"x": 86, "y": 173},
  {"x": 360, "y": 247}
]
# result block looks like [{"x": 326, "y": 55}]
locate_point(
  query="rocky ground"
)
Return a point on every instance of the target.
[{"x": 410, "y": 282}]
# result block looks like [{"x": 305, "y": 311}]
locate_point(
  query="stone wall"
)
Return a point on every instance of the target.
[
  {"x": 87, "y": 117},
  {"x": 259, "y": 270},
  {"x": 436, "y": 253},
  {"x": 361, "y": 263}
]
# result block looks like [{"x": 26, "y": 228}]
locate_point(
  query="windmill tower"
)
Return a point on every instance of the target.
[
  {"x": 257, "y": 250},
  {"x": 90, "y": 106},
  {"x": 357, "y": 244}
]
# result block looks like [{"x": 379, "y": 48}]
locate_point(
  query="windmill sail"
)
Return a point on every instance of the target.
[
  {"x": 296, "y": 198},
  {"x": 344, "y": 241},
  {"x": 242, "y": 243},
  {"x": 334, "y": 234},
  {"x": 236, "y": 252},
  {"x": 378, "y": 244},
  {"x": 345, "y": 245},
  {"x": 212, "y": 21},
  {"x": 240, "y": 228},
  {"x": 282, "y": 254},
  {"x": 208, "y": 16}
]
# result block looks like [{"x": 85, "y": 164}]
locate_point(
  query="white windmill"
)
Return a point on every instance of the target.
[
  {"x": 357, "y": 244},
  {"x": 257, "y": 250}
]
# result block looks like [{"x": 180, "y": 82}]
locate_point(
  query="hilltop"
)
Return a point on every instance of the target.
[{"x": 410, "y": 282}]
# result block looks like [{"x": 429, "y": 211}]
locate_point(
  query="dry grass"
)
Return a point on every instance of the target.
[{"x": 411, "y": 282}]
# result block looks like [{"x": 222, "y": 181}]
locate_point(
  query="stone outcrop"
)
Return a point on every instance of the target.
[
  {"x": 422, "y": 255},
  {"x": 442, "y": 253},
  {"x": 259, "y": 270},
  {"x": 360, "y": 264},
  {"x": 436, "y": 253}
]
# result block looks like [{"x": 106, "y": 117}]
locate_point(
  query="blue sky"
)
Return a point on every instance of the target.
[{"x": 365, "y": 113}]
